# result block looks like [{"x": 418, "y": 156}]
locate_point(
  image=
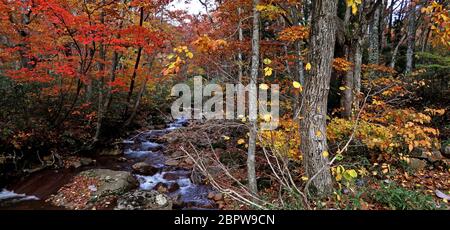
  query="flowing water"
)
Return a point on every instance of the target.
[{"x": 31, "y": 192}]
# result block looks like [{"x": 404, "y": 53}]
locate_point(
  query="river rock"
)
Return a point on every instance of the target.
[
  {"x": 94, "y": 188},
  {"x": 144, "y": 200},
  {"x": 144, "y": 169},
  {"x": 111, "y": 182},
  {"x": 86, "y": 161},
  {"x": 218, "y": 197},
  {"x": 161, "y": 188},
  {"x": 172, "y": 162},
  {"x": 111, "y": 152},
  {"x": 173, "y": 187}
]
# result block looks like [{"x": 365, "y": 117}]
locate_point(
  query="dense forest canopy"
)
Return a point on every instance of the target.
[{"x": 364, "y": 94}]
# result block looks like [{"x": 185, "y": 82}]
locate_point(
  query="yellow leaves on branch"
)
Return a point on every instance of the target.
[
  {"x": 438, "y": 17},
  {"x": 340, "y": 173},
  {"x": 270, "y": 11},
  {"x": 354, "y": 5}
]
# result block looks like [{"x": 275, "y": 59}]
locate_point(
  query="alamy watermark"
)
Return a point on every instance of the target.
[{"x": 191, "y": 104}]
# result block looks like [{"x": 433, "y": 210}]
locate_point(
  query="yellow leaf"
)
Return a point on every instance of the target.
[
  {"x": 267, "y": 61},
  {"x": 354, "y": 9},
  {"x": 241, "y": 142},
  {"x": 410, "y": 147},
  {"x": 305, "y": 178},
  {"x": 318, "y": 133},
  {"x": 264, "y": 86},
  {"x": 268, "y": 71},
  {"x": 267, "y": 117},
  {"x": 226, "y": 137},
  {"x": 190, "y": 55},
  {"x": 297, "y": 85},
  {"x": 308, "y": 67},
  {"x": 326, "y": 154},
  {"x": 352, "y": 173},
  {"x": 342, "y": 88}
]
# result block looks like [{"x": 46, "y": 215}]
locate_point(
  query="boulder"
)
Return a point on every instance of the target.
[
  {"x": 144, "y": 200},
  {"x": 417, "y": 164},
  {"x": 111, "y": 182},
  {"x": 446, "y": 150},
  {"x": 94, "y": 188},
  {"x": 144, "y": 169},
  {"x": 429, "y": 155}
]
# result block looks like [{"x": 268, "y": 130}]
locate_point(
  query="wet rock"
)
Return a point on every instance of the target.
[
  {"x": 144, "y": 169},
  {"x": 161, "y": 188},
  {"x": 173, "y": 187},
  {"x": 122, "y": 159},
  {"x": 144, "y": 200},
  {"x": 417, "y": 164},
  {"x": 163, "y": 126},
  {"x": 218, "y": 197},
  {"x": 172, "y": 162},
  {"x": 74, "y": 164},
  {"x": 86, "y": 161},
  {"x": 111, "y": 152},
  {"x": 93, "y": 189},
  {"x": 111, "y": 182},
  {"x": 171, "y": 176}
]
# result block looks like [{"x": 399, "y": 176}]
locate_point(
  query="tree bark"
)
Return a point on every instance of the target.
[
  {"x": 251, "y": 169},
  {"x": 136, "y": 66},
  {"x": 315, "y": 97},
  {"x": 411, "y": 39},
  {"x": 374, "y": 40},
  {"x": 241, "y": 39}
]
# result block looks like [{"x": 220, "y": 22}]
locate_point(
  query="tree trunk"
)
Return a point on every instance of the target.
[
  {"x": 315, "y": 97},
  {"x": 374, "y": 44},
  {"x": 395, "y": 52},
  {"x": 411, "y": 39},
  {"x": 241, "y": 39},
  {"x": 251, "y": 169},
  {"x": 136, "y": 66},
  {"x": 357, "y": 72},
  {"x": 347, "y": 96}
]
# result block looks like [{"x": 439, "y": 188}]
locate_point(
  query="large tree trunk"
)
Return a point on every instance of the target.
[
  {"x": 251, "y": 169},
  {"x": 411, "y": 38},
  {"x": 315, "y": 97}
]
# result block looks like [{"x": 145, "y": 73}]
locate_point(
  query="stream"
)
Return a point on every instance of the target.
[{"x": 31, "y": 192}]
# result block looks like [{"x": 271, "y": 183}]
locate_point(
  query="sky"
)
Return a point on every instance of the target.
[{"x": 193, "y": 7}]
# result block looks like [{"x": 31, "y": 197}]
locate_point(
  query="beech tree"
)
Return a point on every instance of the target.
[{"x": 313, "y": 114}]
